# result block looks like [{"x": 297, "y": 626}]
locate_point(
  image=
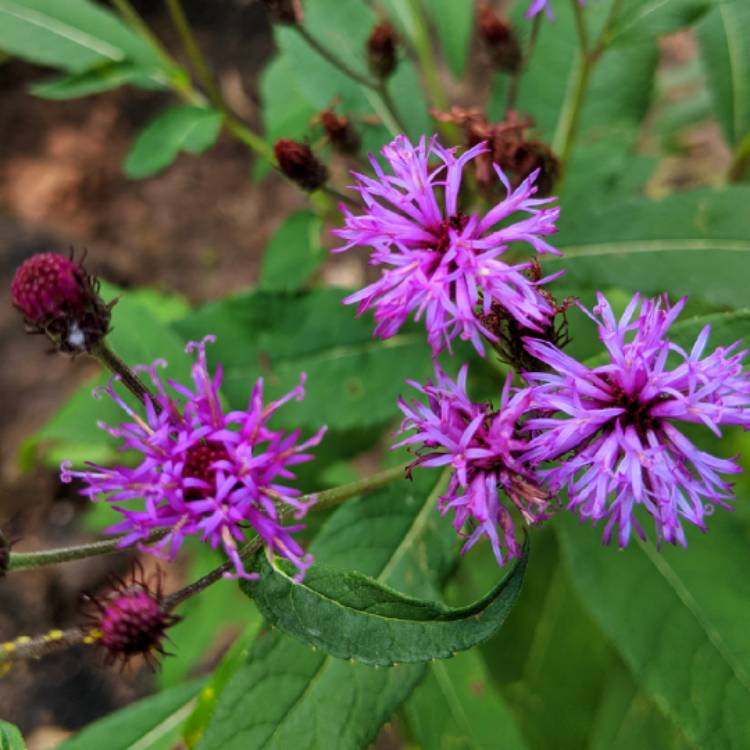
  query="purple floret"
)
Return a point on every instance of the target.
[
  {"x": 612, "y": 427},
  {"x": 203, "y": 471},
  {"x": 442, "y": 264},
  {"x": 483, "y": 448}
]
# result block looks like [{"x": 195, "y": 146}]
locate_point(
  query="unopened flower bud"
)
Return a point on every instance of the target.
[
  {"x": 57, "y": 297},
  {"x": 132, "y": 620},
  {"x": 340, "y": 132},
  {"x": 499, "y": 40},
  {"x": 298, "y": 163},
  {"x": 381, "y": 50},
  {"x": 287, "y": 12}
]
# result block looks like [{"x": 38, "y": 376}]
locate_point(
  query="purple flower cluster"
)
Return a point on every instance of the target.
[
  {"x": 537, "y": 6},
  {"x": 612, "y": 427},
  {"x": 484, "y": 449},
  {"x": 442, "y": 264},
  {"x": 605, "y": 435},
  {"x": 203, "y": 471}
]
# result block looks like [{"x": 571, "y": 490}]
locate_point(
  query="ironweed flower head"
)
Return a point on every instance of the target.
[
  {"x": 499, "y": 39},
  {"x": 442, "y": 264},
  {"x": 298, "y": 163},
  {"x": 57, "y": 297},
  {"x": 483, "y": 448},
  {"x": 612, "y": 427},
  {"x": 131, "y": 619},
  {"x": 203, "y": 471},
  {"x": 381, "y": 50}
]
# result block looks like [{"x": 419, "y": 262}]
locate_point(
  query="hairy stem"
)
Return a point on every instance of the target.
[
  {"x": 105, "y": 356},
  {"x": 30, "y": 560},
  {"x": 26, "y": 647},
  {"x": 337, "y": 495}
]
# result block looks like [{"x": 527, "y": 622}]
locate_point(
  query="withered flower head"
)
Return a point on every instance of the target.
[
  {"x": 499, "y": 40},
  {"x": 59, "y": 298},
  {"x": 340, "y": 132}
]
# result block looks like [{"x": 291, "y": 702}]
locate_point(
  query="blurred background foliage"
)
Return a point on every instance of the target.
[{"x": 605, "y": 649}]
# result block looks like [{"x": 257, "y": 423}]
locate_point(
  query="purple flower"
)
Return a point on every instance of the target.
[
  {"x": 483, "y": 448},
  {"x": 612, "y": 426},
  {"x": 441, "y": 263},
  {"x": 203, "y": 471},
  {"x": 537, "y": 6}
]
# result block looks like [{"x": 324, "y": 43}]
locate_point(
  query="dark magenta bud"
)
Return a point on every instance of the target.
[
  {"x": 57, "y": 297},
  {"x": 381, "y": 50},
  {"x": 298, "y": 163}
]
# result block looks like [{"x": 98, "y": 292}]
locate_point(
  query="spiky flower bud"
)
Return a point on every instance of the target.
[
  {"x": 287, "y": 12},
  {"x": 340, "y": 132},
  {"x": 57, "y": 297},
  {"x": 298, "y": 163},
  {"x": 381, "y": 50},
  {"x": 132, "y": 620},
  {"x": 499, "y": 40}
]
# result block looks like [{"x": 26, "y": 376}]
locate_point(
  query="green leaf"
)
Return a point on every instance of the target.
[
  {"x": 726, "y": 53},
  {"x": 139, "y": 335},
  {"x": 639, "y": 18},
  {"x": 150, "y": 724},
  {"x": 352, "y": 616},
  {"x": 10, "y": 737},
  {"x": 309, "y": 698},
  {"x": 678, "y": 618},
  {"x": 458, "y": 708},
  {"x": 352, "y": 381},
  {"x": 73, "y": 35},
  {"x": 184, "y": 127},
  {"x": 293, "y": 254},
  {"x": 102, "y": 77},
  {"x": 455, "y": 23},
  {"x": 692, "y": 243}
]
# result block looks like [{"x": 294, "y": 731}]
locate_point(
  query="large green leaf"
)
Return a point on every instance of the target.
[
  {"x": 639, "y": 18},
  {"x": 10, "y": 737},
  {"x": 153, "y": 723},
  {"x": 352, "y": 380},
  {"x": 294, "y": 253},
  {"x": 352, "y": 616},
  {"x": 677, "y": 616},
  {"x": 693, "y": 243},
  {"x": 458, "y": 708},
  {"x": 184, "y": 127},
  {"x": 309, "y": 699},
  {"x": 73, "y": 35},
  {"x": 726, "y": 52}
]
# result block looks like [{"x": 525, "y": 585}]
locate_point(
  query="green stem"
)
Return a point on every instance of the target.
[
  {"x": 30, "y": 560},
  {"x": 194, "y": 53},
  {"x": 337, "y": 196},
  {"x": 337, "y": 495},
  {"x": 740, "y": 160},
  {"x": 107, "y": 358},
  {"x": 377, "y": 87},
  {"x": 323, "y": 500},
  {"x": 177, "y": 81},
  {"x": 570, "y": 117}
]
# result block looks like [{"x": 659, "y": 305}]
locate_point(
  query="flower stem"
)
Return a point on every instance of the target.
[
  {"x": 114, "y": 364},
  {"x": 337, "y": 196},
  {"x": 740, "y": 160},
  {"x": 26, "y": 647},
  {"x": 377, "y": 87},
  {"x": 337, "y": 495},
  {"x": 30, "y": 560}
]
